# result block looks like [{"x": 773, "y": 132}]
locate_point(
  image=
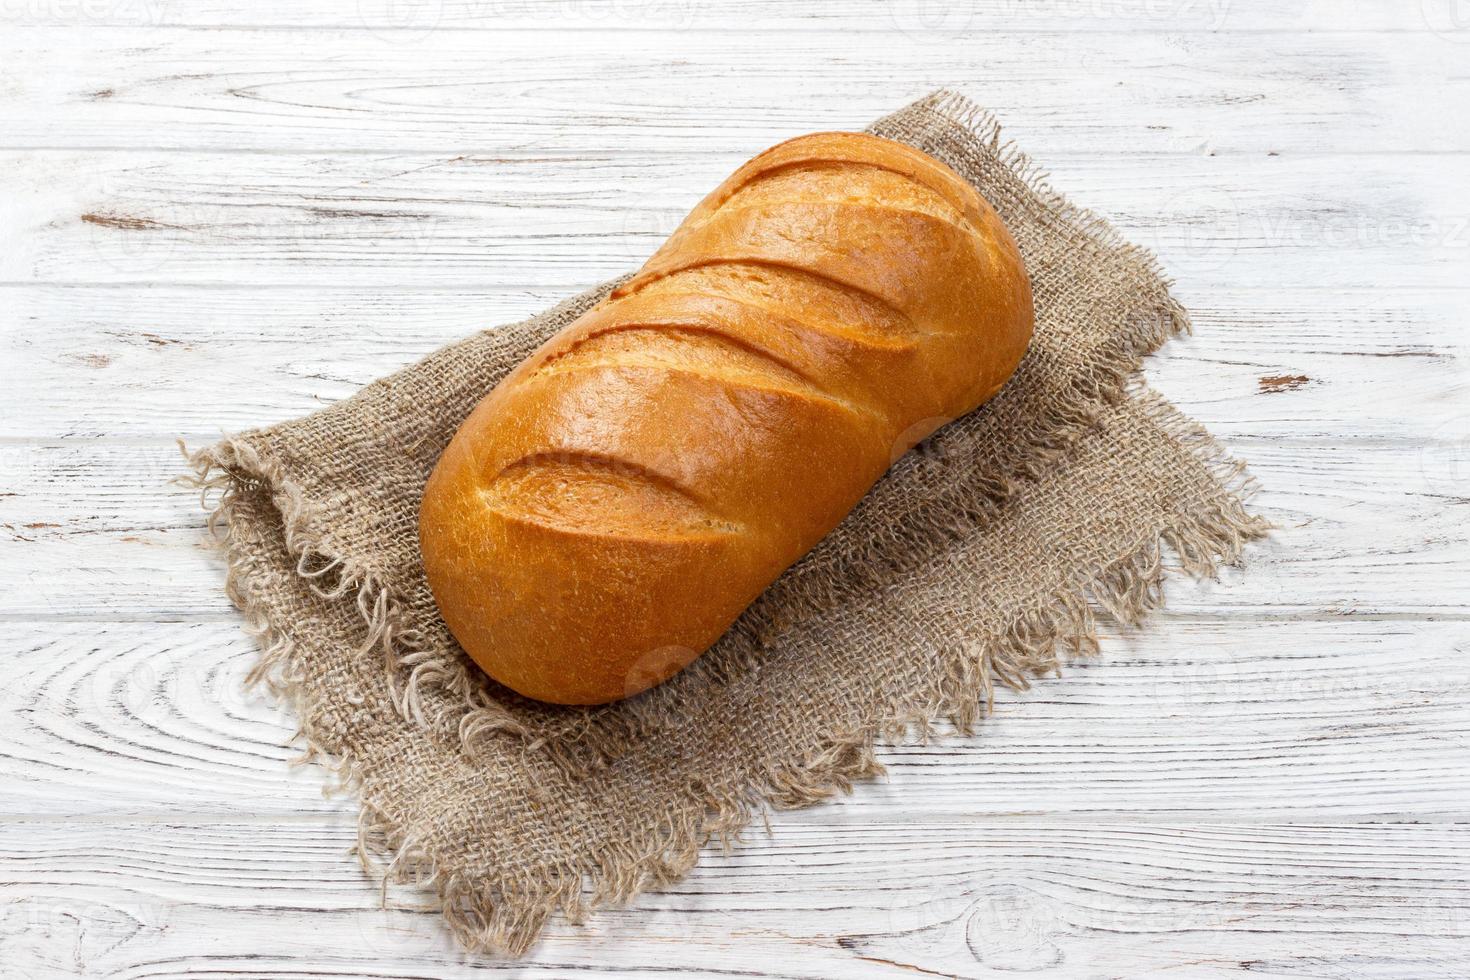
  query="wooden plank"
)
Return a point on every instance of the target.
[
  {"x": 431, "y": 222},
  {"x": 529, "y": 93},
  {"x": 819, "y": 899},
  {"x": 1200, "y": 719},
  {"x": 406, "y": 23},
  {"x": 117, "y": 362},
  {"x": 97, "y": 531}
]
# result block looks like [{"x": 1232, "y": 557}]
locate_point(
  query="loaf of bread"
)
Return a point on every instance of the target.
[{"x": 610, "y": 508}]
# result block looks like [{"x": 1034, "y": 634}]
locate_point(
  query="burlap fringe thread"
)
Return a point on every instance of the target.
[{"x": 961, "y": 693}]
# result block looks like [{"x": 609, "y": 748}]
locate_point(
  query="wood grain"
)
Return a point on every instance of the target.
[
  {"x": 98, "y": 532},
  {"x": 427, "y": 221},
  {"x": 1196, "y": 719},
  {"x": 525, "y": 94},
  {"x": 107, "y": 362},
  {"x": 917, "y": 17},
  {"x": 964, "y": 897}
]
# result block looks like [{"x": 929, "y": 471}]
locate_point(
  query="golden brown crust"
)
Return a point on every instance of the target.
[{"x": 610, "y": 508}]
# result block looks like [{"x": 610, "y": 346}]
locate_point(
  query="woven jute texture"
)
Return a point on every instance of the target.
[{"x": 978, "y": 560}]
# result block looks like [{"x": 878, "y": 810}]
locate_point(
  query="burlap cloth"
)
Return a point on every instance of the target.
[{"x": 979, "y": 557}]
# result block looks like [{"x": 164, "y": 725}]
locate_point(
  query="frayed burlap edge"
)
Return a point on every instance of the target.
[{"x": 1127, "y": 588}]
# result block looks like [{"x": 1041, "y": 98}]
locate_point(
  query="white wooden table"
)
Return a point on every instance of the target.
[{"x": 217, "y": 214}]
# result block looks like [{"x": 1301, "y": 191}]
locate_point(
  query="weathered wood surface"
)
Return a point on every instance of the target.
[
  {"x": 1298, "y": 364},
  {"x": 527, "y": 93},
  {"x": 437, "y": 222},
  {"x": 216, "y": 215},
  {"x": 926, "y": 19},
  {"x": 99, "y": 532},
  {"x": 1217, "y": 718},
  {"x": 859, "y": 897}
]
